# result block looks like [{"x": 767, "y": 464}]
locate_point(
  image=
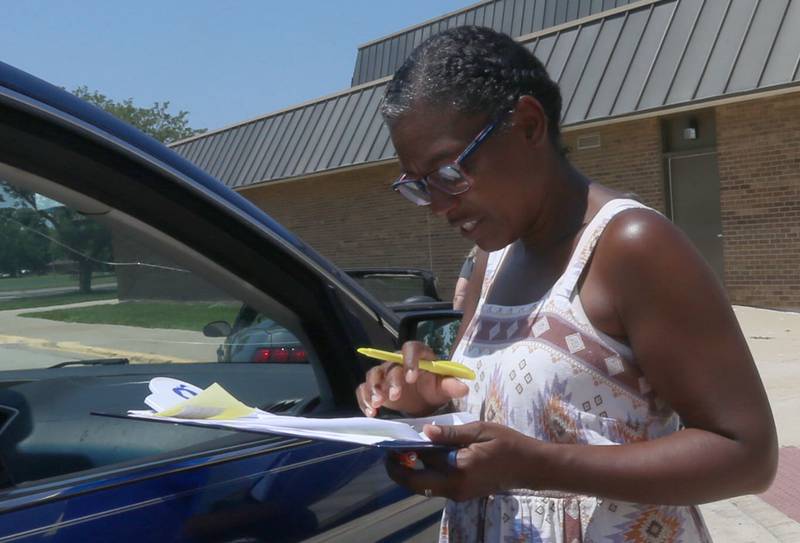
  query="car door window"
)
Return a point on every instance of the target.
[{"x": 91, "y": 310}]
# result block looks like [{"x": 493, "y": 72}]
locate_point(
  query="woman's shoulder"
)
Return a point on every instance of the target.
[{"x": 640, "y": 240}]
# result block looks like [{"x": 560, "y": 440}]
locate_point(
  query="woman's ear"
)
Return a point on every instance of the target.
[{"x": 529, "y": 115}]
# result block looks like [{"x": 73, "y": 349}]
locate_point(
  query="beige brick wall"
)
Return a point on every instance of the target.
[
  {"x": 355, "y": 220},
  {"x": 629, "y": 158},
  {"x": 758, "y": 145}
]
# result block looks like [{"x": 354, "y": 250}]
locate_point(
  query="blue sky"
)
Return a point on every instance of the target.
[{"x": 222, "y": 61}]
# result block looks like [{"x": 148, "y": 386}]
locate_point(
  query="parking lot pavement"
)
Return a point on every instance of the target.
[
  {"x": 773, "y": 337},
  {"x": 774, "y": 340},
  {"x": 139, "y": 345}
]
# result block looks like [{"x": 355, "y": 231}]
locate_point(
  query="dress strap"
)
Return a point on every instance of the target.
[
  {"x": 565, "y": 286},
  {"x": 494, "y": 259}
]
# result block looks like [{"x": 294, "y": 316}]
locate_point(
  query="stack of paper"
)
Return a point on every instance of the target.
[{"x": 214, "y": 406}]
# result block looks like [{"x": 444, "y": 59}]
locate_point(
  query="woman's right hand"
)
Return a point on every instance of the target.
[{"x": 403, "y": 387}]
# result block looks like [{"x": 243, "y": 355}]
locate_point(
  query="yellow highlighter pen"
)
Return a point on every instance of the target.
[{"x": 439, "y": 367}]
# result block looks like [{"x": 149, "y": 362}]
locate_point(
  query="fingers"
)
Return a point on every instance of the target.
[
  {"x": 453, "y": 388},
  {"x": 461, "y": 435},
  {"x": 383, "y": 384},
  {"x": 419, "y": 480},
  {"x": 413, "y": 351}
]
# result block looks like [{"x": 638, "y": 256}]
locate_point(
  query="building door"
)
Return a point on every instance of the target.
[{"x": 694, "y": 199}]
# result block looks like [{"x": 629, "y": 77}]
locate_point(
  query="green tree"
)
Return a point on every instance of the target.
[
  {"x": 21, "y": 247},
  {"x": 76, "y": 237},
  {"x": 156, "y": 120}
]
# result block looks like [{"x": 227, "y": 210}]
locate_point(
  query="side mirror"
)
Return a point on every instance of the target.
[
  {"x": 217, "y": 329},
  {"x": 436, "y": 328}
]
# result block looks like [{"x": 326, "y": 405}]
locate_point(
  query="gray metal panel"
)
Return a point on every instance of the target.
[
  {"x": 518, "y": 18},
  {"x": 321, "y": 137},
  {"x": 526, "y": 19},
  {"x": 255, "y": 171},
  {"x": 561, "y": 12},
  {"x": 596, "y": 66},
  {"x": 216, "y": 150},
  {"x": 757, "y": 45},
  {"x": 783, "y": 60},
  {"x": 697, "y": 51},
  {"x": 334, "y": 134},
  {"x": 366, "y": 152},
  {"x": 670, "y": 54},
  {"x": 538, "y": 16},
  {"x": 544, "y": 48},
  {"x": 242, "y": 146},
  {"x": 513, "y": 17},
  {"x": 252, "y": 159},
  {"x": 354, "y": 126},
  {"x": 577, "y": 63},
  {"x": 561, "y": 52},
  {"x": 189, "y": 150},
  {"x": 278, "y": 130},
  {"x": 507, "y": 25},
  {"x": 642, "y": 61},
  {"x": 301, "y": 126},
  {"x": 388, "y": 148},
  {"x": 549, "y": 13},
  {"x": 368, "y": 121},
  {"x": 301, "y": 147},
  {"x": 723, "y": 56},
  {"x": 619, "y": 65}
]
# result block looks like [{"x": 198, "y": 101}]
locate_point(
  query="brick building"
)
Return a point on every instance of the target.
[{"x": 694, "y": 106}]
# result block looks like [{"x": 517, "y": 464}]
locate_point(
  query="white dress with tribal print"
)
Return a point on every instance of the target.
[{"x": 544, "y": 370}]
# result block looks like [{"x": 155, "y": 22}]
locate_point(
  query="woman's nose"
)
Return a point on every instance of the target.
[{"x": 441, "y": 202}]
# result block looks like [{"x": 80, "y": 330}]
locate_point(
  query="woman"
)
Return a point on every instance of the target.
[{"x": 615, "y": 389}]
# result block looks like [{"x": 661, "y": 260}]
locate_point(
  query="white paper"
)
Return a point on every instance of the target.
[{"x": 362, "y": 430}]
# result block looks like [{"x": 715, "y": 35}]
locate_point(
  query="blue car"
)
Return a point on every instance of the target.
[{"x": 138, "y": 249}]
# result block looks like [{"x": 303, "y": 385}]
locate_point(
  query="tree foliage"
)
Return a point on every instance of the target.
[
  {"x": 32, "y": 235},
  {"x": 156, "y": 120}
]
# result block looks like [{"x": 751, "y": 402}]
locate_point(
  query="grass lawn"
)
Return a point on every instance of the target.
[
  {"x": 57, "y": 299},
  {"x": 178, "y": 315},
  {"x": 33, "y": 282}
]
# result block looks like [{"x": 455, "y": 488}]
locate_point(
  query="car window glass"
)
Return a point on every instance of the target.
[
  {"x": 90, "y": 311},
  {"x": 392, "y": 288}
]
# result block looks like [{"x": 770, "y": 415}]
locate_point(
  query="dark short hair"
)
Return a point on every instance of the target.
[{"x": 472, "y": 70}]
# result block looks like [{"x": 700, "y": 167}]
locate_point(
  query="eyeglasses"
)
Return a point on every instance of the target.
[{"x": 449, "y": 179}]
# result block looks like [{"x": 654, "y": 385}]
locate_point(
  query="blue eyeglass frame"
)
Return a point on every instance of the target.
[{"x": 422, "y": 183}]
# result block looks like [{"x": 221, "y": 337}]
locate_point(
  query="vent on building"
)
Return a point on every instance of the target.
[{"x": 588, "y": 142}]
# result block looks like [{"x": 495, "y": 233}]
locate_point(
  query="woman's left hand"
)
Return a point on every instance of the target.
[{"x": 480, "y": 464}]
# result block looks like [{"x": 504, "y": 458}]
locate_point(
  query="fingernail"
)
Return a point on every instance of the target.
[
  {"x": 369, "y": 411},
  {"x": 410, "y": 376},
  {"x": 394, "y": 392},
  {"x": 376, "y": 399}
]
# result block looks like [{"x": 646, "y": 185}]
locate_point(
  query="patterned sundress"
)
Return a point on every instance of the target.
[{"x": 544, "y": 370}]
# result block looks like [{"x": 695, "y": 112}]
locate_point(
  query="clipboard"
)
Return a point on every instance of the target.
[
  {"x": 389, "y": 445},
  {"x": 178, "y": 402}
]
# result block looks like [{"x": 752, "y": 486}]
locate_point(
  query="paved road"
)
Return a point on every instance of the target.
[
  {"x": 50, "y": 291},
  {"x": 23, "y": 357}
]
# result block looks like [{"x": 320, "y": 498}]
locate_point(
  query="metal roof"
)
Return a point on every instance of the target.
[
  {"x": 516, "y": 18},
  {"x": 649, "y": 57}
]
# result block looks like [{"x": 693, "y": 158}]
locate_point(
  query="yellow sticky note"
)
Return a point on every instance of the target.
[{"x": 213, "y": 403}]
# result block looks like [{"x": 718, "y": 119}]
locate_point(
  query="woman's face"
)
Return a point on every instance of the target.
[{"x": 501, "y": 203}]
